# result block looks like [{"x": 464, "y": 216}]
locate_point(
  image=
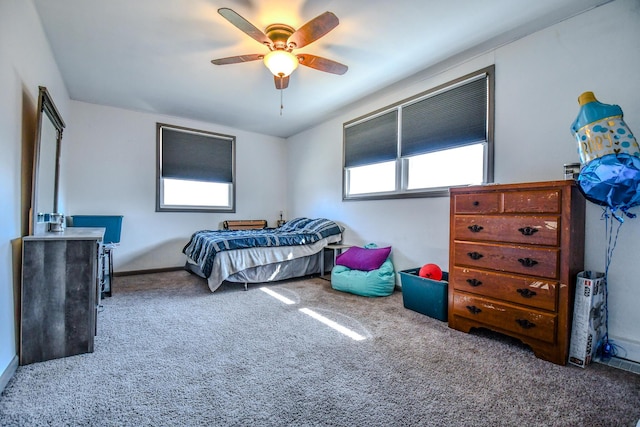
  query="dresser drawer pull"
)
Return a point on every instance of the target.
[
  {"x": 475, "y": 255},
  {"x": 475, "y": 228},
  {"x": 527, "y": 262},
  {"x": 526, "y": 293},
  {"x": 474, "y": 282},
  {"x": 476, "y": 203},
  {"x": 525, "y": 324},
  {"x": 473, "y": 309},
  {"x": 528, "y": 231}
]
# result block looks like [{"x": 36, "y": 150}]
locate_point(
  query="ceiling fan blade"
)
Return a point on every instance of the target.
[
  {"x": 245, "y": 26},
  {"x": 237, "y": 59},
  {"x": 313, "y": 30},
  {"x": 322, "y": 64},
  {"x": 281, "y": 82}
]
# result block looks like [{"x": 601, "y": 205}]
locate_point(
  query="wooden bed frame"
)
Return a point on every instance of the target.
[{"x": 244, "y": 224}]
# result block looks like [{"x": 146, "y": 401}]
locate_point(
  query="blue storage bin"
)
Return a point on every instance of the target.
[
  {"x": 112, "y": 223},
  {"x": 425, "y": 296}
]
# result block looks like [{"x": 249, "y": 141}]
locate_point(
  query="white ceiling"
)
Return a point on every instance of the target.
[{"x": 154, "y": 55}]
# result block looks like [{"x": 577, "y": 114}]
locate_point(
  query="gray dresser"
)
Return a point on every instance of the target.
[{"x": 60, "y": 293}]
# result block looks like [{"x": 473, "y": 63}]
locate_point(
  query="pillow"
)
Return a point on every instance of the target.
[
  {"x": 364, "y": 259},
  {"x": 295, "y": 224}
]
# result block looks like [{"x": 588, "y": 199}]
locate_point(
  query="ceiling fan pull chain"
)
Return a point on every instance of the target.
[{"x": 281, "y": 106}]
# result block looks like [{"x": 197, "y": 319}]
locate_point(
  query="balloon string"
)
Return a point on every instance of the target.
[{"x": 608, "y": 349}]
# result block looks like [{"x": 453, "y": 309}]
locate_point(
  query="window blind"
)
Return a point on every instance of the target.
[
  {"x": 449, "y": 119},
  {"x": 196, "y": 156},
  {"x": 372, "y": 141}
]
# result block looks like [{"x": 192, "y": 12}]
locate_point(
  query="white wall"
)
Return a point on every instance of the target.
[
  {"x": 538, "y": 80},
  {"x": 26, "y": 62},
  {"x": 109, "y": 168}
]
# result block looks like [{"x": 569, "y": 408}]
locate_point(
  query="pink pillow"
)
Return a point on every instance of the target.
[{"x": 364, "y": 259}]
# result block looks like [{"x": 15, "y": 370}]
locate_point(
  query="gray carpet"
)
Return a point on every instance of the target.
[{"x": 169, "y": 352}]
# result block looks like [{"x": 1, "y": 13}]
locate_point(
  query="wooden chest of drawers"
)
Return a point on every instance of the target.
[{"x": 514, "y": 254}]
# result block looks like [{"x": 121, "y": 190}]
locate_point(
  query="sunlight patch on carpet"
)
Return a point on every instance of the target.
[
  {"x": 338, "y": 327},
  {"x": 277, "y": 296}
]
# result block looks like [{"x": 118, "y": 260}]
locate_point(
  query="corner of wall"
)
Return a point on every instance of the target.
[{"x": 8, "y": 373}]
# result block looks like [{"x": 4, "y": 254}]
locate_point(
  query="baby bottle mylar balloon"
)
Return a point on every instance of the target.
[
  {"x": 609, "y": 153},
  {"x": 610, "y": 174}
]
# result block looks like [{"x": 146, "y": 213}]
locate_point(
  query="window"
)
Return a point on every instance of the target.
[
  {"x": 421, "y": 146},
  {"x": 196, "y": 170}
]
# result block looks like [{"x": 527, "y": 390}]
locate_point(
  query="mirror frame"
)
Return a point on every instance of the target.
[{"x": 46, "y": 108}]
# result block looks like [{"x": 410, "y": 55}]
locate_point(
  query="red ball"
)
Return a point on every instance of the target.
[{"x": 430, "y": 271}]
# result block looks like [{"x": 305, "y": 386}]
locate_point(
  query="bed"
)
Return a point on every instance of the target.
[{"x": 255, "y": 256}]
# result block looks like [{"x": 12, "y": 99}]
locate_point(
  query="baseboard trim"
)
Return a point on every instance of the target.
[
  {"x": 8, "y": 373},
  {"x": 150, "y": 271},
  {"x": 626, "y": 349}
]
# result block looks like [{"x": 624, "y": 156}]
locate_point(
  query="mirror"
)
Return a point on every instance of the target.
[{"x": 46, "y": 162}]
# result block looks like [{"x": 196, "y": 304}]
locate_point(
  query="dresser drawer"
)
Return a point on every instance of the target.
[
  {"x": 540, "y": 326},
  {"x": 534, "y": 230},
  {"x": 533, "y": 292},
  {"x": 514, "y": 259},
  {"x": 533, "y": 201},
  {"x": 476, "y": 203}
]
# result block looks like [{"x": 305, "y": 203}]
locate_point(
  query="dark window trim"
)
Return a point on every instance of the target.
[
  {"x": 489, "y": 72},
  {"x": 159, "y": 153}
]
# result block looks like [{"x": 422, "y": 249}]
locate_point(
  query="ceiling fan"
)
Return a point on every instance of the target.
[{"x": 281, "y": 40}]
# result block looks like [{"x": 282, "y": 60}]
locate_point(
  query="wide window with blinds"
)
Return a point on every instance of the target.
[
  {"x": 423, "y": 145},
  {"x": 196, "y": 170}
]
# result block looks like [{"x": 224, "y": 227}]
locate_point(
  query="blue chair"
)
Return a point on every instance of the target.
[{"x": 113, "y": 226}]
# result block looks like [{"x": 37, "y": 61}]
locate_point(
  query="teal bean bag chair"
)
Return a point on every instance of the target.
[{"x": 364, "y": 271}]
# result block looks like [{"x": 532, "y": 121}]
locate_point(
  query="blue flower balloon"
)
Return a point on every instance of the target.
[{"x": 613, "y": 181}]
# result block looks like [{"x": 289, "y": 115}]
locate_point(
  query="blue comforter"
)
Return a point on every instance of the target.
[{"x": 205, "y": 244}]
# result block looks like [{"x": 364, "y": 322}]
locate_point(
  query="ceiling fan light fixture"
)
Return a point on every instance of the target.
[{"x": 280, "y": 62}]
